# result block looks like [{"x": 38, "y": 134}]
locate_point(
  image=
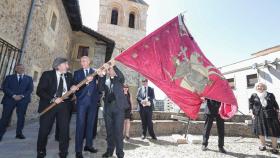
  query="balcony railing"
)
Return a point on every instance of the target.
[{"x": 9, "y": 57}]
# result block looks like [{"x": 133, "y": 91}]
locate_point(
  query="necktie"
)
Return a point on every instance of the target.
[
  {"x": 19, "y": 79},
  {"x": 60, "y": 87},
  {"x": 145, "y": 92},
  {"x": 111, "y": 85},
  {"x": 87, "y": 72}
]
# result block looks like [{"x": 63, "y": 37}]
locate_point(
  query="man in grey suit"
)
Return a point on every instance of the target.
[{"x": 115, "y": 104}]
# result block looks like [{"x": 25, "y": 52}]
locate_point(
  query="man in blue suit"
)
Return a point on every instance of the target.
[
  {"x": 87, "y": 98},
  {"x": 17, "y": 90}
]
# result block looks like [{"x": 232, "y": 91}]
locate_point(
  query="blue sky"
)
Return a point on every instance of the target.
[{"x": 226, "y": 30}]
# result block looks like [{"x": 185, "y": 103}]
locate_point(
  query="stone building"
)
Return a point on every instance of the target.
[
  {"x": 56, "y": 30},
  {"x": 124, "y": 21}
]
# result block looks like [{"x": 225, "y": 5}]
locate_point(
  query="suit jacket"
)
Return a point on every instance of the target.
[
  {"x": 85, "y": 90},
  {"x": 118, "y": 81},
  {"x": 140, "y": 97},
  {"x": 212, "y": 107},
  {"x": 12, "y": 87},
  {"x": 255, "y": 103},
  {"x": 47, "y": 87}
]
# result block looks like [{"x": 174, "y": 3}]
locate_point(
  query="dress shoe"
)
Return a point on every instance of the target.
[
  {"x": 63, "y": 154},
  {"x": 154, "y": 138},
  {"x": 107, "y": 154},
  {"x": 262, "y": 148},
  {"x": 79, "y": 155},
  {"x": 143, "y": 137},
  {"x": 127, "y": 137},
  {"x": 203, "y": 147},
  {"x": 222, "y": 150},
  {"x": 90, "y": 149},
  {"x": 20, "y": 136},
  {"x": 41, "y": 154},
  {"x": 274, "y": 151}
]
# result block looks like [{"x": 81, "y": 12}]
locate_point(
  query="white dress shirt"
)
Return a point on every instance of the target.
[{"x": 58, "y": 74}]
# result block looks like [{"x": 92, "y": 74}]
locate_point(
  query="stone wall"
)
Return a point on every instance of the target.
[{"x": 44, "y": 43}]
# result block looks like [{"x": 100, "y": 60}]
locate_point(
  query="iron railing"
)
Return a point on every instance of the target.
[{"x": 9, "y": 57}]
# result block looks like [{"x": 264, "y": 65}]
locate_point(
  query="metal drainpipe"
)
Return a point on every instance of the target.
[{"x": 26, "y": 31}]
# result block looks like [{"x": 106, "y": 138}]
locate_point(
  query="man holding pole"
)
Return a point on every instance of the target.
[
  {"x": 115, "y": 104},
  {"x": 52, "y": 86}
]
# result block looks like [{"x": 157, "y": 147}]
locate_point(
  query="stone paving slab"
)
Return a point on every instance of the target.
[{"x": 165, "y": 147}]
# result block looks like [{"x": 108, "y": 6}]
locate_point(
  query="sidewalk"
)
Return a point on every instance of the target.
[{"x": 165, "y": 147}]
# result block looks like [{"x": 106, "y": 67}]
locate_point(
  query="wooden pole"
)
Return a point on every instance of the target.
[{"x": 68, "y": 93}]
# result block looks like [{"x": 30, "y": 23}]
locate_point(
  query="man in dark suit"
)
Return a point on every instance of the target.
[
  {"x": 87, "y": 98},
  {"x": 115, "y": 104},
  {"x": 145, "y": 98},
  {"x": 17, "y": 90},
  {"x": 211, "y": 113},
  {"x": 52, "y": 85}
]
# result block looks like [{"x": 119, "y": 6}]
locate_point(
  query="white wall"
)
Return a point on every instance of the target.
[{"x": 270, "y": 77}]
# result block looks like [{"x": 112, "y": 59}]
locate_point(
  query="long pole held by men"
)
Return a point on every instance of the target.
[{"x": 83, "y": 82}]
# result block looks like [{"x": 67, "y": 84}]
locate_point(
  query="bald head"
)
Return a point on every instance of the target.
[{"x": 85, "y": 62}]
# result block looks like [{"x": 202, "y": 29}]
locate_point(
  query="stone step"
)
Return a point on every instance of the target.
[
  {"x": 167, "y": 116},
  {"x": 168, "y": 127}
]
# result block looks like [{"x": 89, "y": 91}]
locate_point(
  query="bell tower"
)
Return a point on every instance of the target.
[{"x": 124, "y": 21}]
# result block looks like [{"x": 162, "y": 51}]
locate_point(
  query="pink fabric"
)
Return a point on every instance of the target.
[{"x": 154, "y": 57}]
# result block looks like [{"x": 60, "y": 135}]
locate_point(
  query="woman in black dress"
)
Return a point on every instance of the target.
[
  {"x": 265, "y": 113},
  {"x": 127, "y": 113}
]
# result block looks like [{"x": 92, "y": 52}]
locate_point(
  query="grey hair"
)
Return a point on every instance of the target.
[
  {"x": 264, "y": 85},
  {"x": 58, "y": 61}
]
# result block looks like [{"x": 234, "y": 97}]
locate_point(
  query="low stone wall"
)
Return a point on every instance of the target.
[{"x": 159, "y": 115}]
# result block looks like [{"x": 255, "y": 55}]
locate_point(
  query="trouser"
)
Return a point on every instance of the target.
[
  {"x": 114, "y": 120},
  {"x": 56, "y": 124},
  {"x": 61, "y": 114},
  {"x": 7, "y": 114},
  {"x": 95, "y": 124},
  {"x": 220, "y": 128},
  {"x": 86, "y": 114},
  {"x": 146, "y": 114}
]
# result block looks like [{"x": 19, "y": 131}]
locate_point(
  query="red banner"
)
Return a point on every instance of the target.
[{"x": 172, "y": 60}]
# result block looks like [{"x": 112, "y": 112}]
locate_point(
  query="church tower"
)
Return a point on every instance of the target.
[{"x": 124, "y": 21}]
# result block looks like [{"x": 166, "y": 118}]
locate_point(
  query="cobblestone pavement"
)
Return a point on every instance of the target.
[{"x": 165, "y": 147}]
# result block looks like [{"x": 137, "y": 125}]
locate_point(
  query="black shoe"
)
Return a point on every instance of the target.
[
  {"x": 90, "y": 149},
  {"x": 274, "y": 151},
  {"x": 107, "y": 154},
  {"x": 143, "y": 137},
  {"x": 41, "y": 154},
  {"x": 222, "y": 150},
  {"x": 204, "y": 148},
  {"x": 20, "y": 136},
  {"x": 127, "y": 137},
  {"x": 79, "y": 155},
  {"x": 154, "y": 138},
  {"x": 63, "y": 155},
  {"x": 262, "y": 148}
]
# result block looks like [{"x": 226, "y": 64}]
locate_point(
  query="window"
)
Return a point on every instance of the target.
[
  {"x": 83, "y": 51},
  {"x": 114, "y": 17},
  {"x": 131, "y": 22},
  {"x": 53, "y": 21},
  {"x": 231, "y": 83},
  {"x": 252, "y": 80}
]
